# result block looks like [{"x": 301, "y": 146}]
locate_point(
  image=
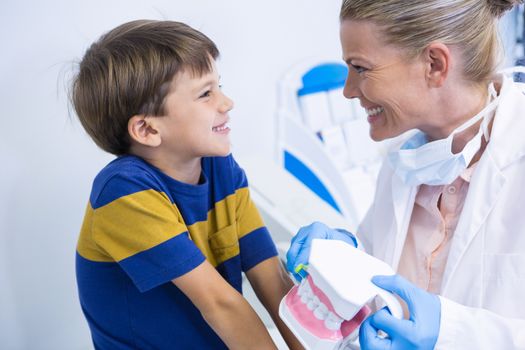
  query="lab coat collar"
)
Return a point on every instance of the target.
[
  {"x": 507, "y": 144},
  {"x": 507, "y": 139}
]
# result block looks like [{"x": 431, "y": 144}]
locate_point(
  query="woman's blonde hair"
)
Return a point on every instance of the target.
[{"x": 470, "y": 25}]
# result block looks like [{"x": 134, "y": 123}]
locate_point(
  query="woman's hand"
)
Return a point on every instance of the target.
[
  {"x": 420, "y": 332},
  {"x": 299, "y": 251}
]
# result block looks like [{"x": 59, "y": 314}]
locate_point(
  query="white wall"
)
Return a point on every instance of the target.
[{"x": 49, "y": 163}]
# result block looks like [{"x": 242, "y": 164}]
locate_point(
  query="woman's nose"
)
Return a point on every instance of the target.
[{"x": 351, "y": 88}]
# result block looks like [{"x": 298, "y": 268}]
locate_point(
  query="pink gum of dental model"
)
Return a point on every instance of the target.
[{"x": 315, "y": 326}]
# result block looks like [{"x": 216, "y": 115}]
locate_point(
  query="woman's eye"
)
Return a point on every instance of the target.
[{"x": 359, "y": 69}]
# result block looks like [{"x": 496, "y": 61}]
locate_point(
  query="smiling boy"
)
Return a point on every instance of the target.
[{"x": 170, "y": 226}]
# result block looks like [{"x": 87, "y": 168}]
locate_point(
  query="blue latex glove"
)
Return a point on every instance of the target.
[
  {"x": 419, "y": 332},
  {"x": 299, "y": 251}
]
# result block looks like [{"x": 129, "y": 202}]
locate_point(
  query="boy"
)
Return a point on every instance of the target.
[{"x": 170, "y": 224}]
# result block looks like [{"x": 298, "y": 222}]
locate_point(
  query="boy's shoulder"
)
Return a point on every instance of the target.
[
  {"x": 130, "y": 174},
  {"x": 123, "y": 176}
]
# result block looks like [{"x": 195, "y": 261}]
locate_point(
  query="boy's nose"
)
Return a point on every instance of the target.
[{"x": 227, "y": 104}]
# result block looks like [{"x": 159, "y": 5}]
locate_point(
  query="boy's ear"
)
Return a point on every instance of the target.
[
  {"x": 437, "y": 58},
  {"x": 143, "y": 131}
]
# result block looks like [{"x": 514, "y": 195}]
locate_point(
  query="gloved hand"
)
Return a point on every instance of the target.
[
  {"x": 419, "y": 332},
  {"x": 299, "y": 251}
]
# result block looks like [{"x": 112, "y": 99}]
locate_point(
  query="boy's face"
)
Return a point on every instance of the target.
[{"x": 196, "y": 118}]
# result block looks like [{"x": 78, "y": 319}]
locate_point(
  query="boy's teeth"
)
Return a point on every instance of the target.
[{"x": 220, "y": 128}]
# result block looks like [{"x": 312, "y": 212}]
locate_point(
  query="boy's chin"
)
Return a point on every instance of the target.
[
  {"x": 226, "y": 153},
  {"x": 221, "y": 152}
]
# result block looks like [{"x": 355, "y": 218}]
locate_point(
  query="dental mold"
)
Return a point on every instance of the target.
[{"x": 326, "y": 309}]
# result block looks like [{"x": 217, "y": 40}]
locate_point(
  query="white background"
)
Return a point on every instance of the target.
[{"x": 48, "y": 163}]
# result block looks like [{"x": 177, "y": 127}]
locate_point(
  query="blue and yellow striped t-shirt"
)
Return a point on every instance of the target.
[{"x": 142, "y": 229}]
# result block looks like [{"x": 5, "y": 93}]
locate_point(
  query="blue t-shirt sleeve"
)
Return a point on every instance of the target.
[
  {"x": 256, "y": 247},
  {"x": 136, "y": 224}
]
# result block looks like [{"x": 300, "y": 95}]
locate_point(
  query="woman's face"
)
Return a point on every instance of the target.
[{"x": 390, "y": 87}]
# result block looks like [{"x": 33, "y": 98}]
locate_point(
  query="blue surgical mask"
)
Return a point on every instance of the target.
[{"x": 433, "y": 163}]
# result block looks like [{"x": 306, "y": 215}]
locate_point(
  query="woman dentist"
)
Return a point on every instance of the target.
[{"x": 448, "y": 213}]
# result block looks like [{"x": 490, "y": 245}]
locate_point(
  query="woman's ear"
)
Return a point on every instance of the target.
[
  {"x": 438, "y": 61},
  {"x": 143, "y": 131}
]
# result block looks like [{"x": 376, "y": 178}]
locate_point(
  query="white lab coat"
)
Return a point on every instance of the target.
[{"x": 483, "y": 290}]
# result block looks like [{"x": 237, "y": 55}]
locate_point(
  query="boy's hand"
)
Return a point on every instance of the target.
[{"x": 299, "y": 250}]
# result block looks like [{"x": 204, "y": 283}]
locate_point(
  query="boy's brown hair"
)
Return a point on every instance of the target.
[{"x": 128, "y": 72}]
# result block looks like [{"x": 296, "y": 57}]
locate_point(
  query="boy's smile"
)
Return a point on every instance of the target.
[
  {"x": 196, "y": 117},
  {"x": 222, "y": 128}
]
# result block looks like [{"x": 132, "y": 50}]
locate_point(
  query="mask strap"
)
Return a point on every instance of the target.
[
  {"x": 493, "y": 95},
  {"x": 488, "y": 109},
  {"x": 492, "y": 92}
]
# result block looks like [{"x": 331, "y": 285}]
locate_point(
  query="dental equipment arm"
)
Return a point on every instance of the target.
[
  {"x": 224, "y": 309},
  {"x": 300, "y": 246},
  {"x": 270, "y": 283},
  {"x": 420, "y": 332}
]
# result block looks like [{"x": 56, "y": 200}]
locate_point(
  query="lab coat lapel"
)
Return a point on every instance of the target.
[
  {"x": 507, "y": 145},
  {"x": 403, "y": 197},
  {"x": 482, "y": 195}
]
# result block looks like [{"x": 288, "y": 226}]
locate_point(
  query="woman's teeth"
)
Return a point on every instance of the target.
[{"x": 374, "y": 111}]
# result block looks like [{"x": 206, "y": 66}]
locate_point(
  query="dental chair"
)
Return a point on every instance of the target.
[
  {"x": 323, "y": 138},
  {"x": 325, "y": 164}
]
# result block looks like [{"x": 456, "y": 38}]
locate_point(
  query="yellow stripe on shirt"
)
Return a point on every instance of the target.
[
  {"x": 139, "y": 221},
  {"x": 218, "y": 236},
  {"x": 131, "y": 224}
]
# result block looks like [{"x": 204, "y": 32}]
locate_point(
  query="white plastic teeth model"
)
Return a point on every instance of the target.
[
  {"x": 333, "y": 321},
  {"x": 348, "y": 295},
  {"x": 320, "y": 310},
  {"x": 326, "y": 310}
]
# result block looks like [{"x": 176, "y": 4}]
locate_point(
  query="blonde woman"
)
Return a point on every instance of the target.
[{"x": 448, "y": 209}]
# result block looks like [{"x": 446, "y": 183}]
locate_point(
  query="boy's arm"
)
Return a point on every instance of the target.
[
  {"x": 225, "y": 309},
  {"x": 270, "y": 282}
]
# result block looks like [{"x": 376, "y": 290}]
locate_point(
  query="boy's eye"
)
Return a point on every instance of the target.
[
  {"x": 359, "y": 69},
  {"x": 205, "y": 94}
]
